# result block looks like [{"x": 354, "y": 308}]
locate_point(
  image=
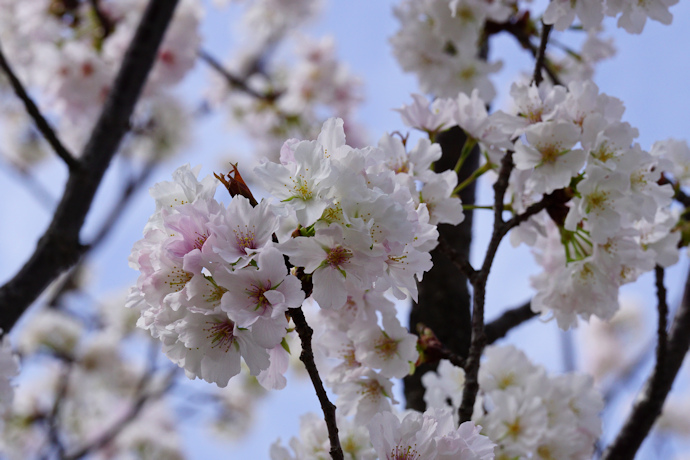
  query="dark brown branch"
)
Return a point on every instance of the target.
[
  {"x": 518, "y": 31},
  {"x": 662, "y": 307},
  {"x": 41, "y": 123},
  {"x": 143, "y": 398},
  {"x": 682, "y": 198},
  {"x": 59, "y": 247},
  {"x": 307, "y": 357},
  {"x": 458, "y": 260},
  {"x": 478, "y": 341},
  {"x": 649, "y": 405},
  {"x": 541, "y": 53},
  {"x": 444, "y": 302},
  {"x": 69, "y": 282},
  {"x": 499, "y": 327}
]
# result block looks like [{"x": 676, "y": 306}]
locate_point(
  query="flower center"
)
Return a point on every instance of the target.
[
  {"x": 221, "y": 334},
  {"x": 256, "y": 294},
  {"x": 245, "y": 239},
  {"x": 404, "y": 453},
  {"x": 338, "y": 256}
]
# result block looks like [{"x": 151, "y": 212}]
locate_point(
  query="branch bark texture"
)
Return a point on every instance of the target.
[
  {"x": 307, "y": 357},
  {"x": 444, "y": 299},
  {"x": 60, "y": 247}
]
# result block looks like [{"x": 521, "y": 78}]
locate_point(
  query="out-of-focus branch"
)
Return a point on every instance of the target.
[
  {"x": 662, "y": 307},
  {"x": 499, "y": 327},
  {"x": 649, "y": 404},
  {"x": 142, "y": 399},
  {"x": 40, "y": 193},
  {"x": 60, "y": 247},
  {"x": 68, "y": 283},
  {"x": 541, "y": 53},
  {"x": 307, "y": 357},
  {"x": 234, "y": 80},
  {"x": 38, "y": 118},
  {"x": 53, "y": 418}
]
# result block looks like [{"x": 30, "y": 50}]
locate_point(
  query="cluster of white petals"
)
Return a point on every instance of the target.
[
  {"x": 83, "y": 370},
  {"x": 289, "y": 100},
  {"x": 525, "y": 412},
  {"x": 611, "y": 221},
  {"x": 437, "y": 41},
  {"x": 391, "y": 436},
  {"x": 632, "y": 14},
  {"x": 214, "y": 284}
]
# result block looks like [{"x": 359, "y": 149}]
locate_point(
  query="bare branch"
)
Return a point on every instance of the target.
[
  {"x": 649, "y": 404},
  {"x": 499, "y": 327},
  {"x": 41, "y": 123},
  {"x": 478, "y": 341},
  {"x": 458, "y": 260},
  {"x": 234, "y": 80},
  {"x": 307, "y": 357},
  {"x": 541, "y": 53},
  {"x": 59, "y": 247}
]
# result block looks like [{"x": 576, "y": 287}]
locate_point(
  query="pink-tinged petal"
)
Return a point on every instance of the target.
[
  {"x": 269, "y": 332},
  {"x": 273, "y": 378}
]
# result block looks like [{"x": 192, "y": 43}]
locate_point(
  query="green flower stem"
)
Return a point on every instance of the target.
[
  {"x": 466, "y": 150},
  {"x": 475, "y": 174}
]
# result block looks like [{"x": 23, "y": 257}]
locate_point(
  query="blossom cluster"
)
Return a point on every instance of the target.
[
  {"x": 214, "y": 284},
  {"x": 71, "y": 51},
  {"x": 632, "y": 15},
  {"x": 617, "y": 222},
  {"x": 610, "y": 219},
  {"x": 390, "y": 435},
  {"x": 525, "y": 412},
  {"x": 84, "y": 384},
  {"x": 437, "y": 40},
  {"x": 290, "y": 100}
]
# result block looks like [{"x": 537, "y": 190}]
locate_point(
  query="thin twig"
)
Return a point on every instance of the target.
[
  {"x": 40, "y": 193},
  {"x": 307, "y": 357},
  {"x": 59, "y": 248},
  {"x": 234, "y": 80},
  {"x": 649, "y": 404},
  {"x": 41, "y": 123},
  {"x": 541, "y": 53},
  {"x": 519, "y": 34}
]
